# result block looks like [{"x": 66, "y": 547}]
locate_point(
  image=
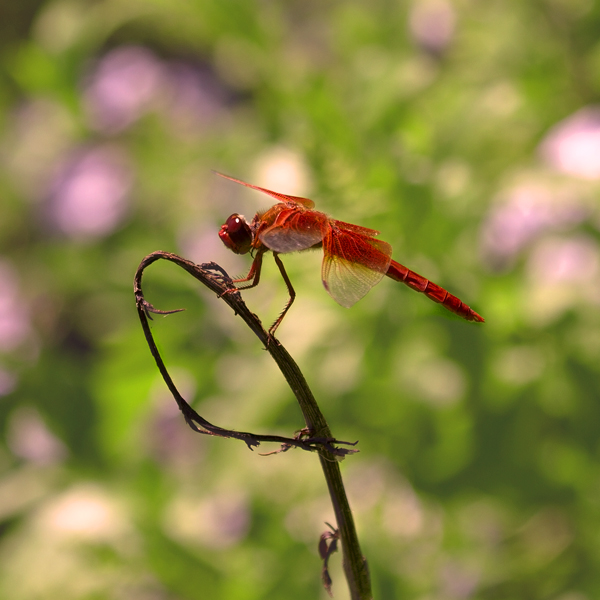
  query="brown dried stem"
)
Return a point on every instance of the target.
[{"x": 315, "y": 437}]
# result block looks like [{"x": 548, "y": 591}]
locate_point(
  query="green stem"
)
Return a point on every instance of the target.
[{"x": 212, "y": 276}]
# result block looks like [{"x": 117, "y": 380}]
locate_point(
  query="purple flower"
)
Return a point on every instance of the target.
[
  {"x": 523, "y": 214},
  {"x": 122, "y": 88},
  {"x": 573, "y": 146},
  {"x": 432, "y": 24},
  {"x": 572, "y": 261},
  {"x": 88, "y": 198}
]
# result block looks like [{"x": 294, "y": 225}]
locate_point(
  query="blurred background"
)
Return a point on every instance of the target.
[{"x": 467, "y": 132}]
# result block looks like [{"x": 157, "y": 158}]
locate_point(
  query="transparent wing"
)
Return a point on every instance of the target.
[
  {"x": 283, "y": 240},
  {"x": 349, "y": 227},
  {"x": 295, "y": 229},
  {"x": 281, "y": 197},
  {"x": 352, "y": 263}
]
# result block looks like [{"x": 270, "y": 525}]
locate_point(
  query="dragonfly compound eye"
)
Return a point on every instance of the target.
[{"x": 236, "y": 234}]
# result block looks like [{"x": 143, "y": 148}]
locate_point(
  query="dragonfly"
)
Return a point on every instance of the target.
[{"x": 354, "y": 260}]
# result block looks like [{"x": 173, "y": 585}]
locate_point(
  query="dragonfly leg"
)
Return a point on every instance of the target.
[
  {"x": 291, "y": 292},
  {"x": 253, "y": 275}
]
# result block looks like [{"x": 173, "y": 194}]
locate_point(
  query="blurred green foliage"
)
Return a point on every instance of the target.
[{"x": 464, "y": 131}]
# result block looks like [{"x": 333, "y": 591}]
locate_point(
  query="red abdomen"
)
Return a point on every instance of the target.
[{"x": 431, "y": 290}]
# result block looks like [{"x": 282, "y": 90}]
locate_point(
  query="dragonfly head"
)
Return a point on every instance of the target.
[{"x": 236, "y": 234}]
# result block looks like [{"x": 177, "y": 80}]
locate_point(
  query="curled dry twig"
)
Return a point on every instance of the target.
[
  {"x": 210, "y": 272},
  {"x": 316, "y": 436}
]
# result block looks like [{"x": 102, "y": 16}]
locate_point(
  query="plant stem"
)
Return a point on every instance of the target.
[{"x": 212, "y": 276}]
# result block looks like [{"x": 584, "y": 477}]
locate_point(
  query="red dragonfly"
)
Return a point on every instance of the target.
[{"x": 353, "y": 260}]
